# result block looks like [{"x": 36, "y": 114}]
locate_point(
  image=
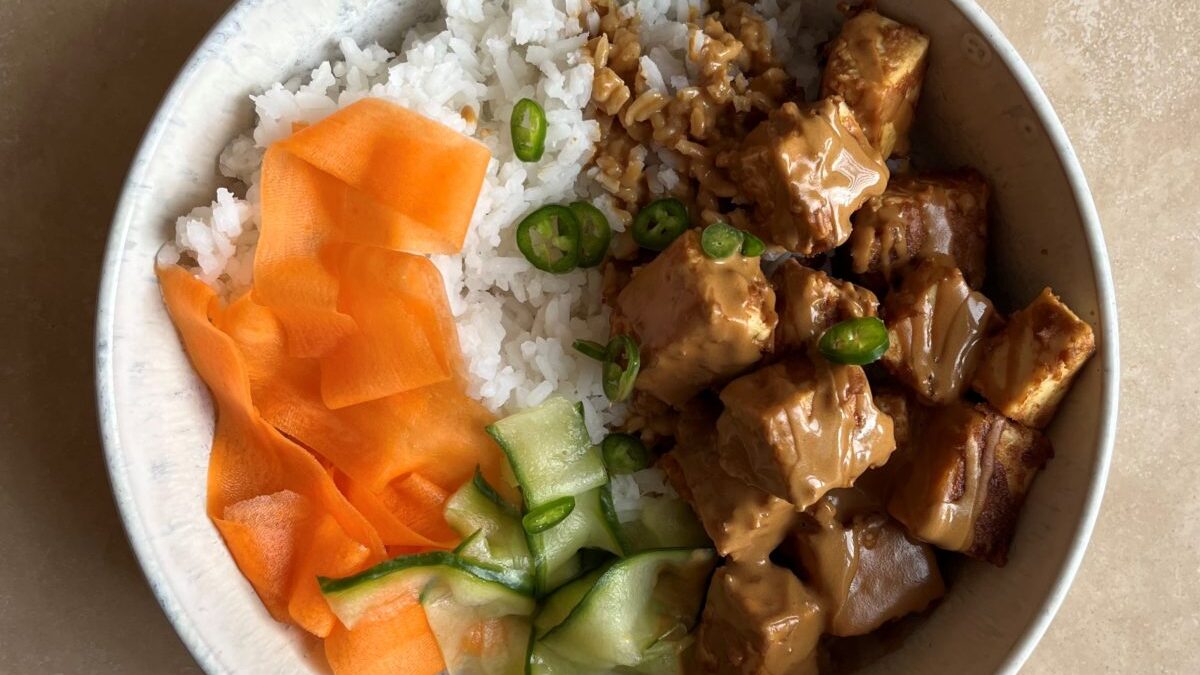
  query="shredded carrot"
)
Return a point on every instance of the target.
[
  {"x": 265, "y": 493},
  {"x": 342, "y": 419},
  {"x": 406, "y": 337},
  {"x": 372, "y": 173}
]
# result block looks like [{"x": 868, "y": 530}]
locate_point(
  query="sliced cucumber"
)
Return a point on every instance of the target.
[
  {"x": 556, "y": 558},
  {"x": 550, "y": 452},
  {"x": 559, "y": 605},
  {"x": 636, "y": 603},
  {"x": 666, "y": 522},
  {"x": 472, "y": 584},
  {"x": 482, "y": 639},
  {"x": 493, "y": 530}
]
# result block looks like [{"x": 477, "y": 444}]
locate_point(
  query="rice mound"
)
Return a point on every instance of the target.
[{"x": 516, "y": 324}]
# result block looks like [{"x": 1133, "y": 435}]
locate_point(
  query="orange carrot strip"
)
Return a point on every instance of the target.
[
  {"x": 254, "y": 470},
  {"x": 405, "y": 337},
  {"x": 395, "y": 640},
  {"x": 436, "y": 431},
  {"x": 327, "y": 553},
  {"x": 372, "y": 173},
  {"x": 393, "y": 530}
]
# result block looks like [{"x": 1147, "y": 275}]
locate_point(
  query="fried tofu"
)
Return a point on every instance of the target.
[
  {"x": 810, "y": 302},
  {"x": 1028, "y": 367},
  {"x": 967, "y": 479},
  {"x": 801, "y": 427},
  {"x": 936, "y": 328},
  {"x": 878, "y": 66},
  {"x": 918, "y": 215},
  {"x": 863, "y": 564},
  {"x": 806, "y": 171},
  {"x": 758, "y": 620},
  {"x": 744, "y": 522},
  {"x": 698, "y": 321}
]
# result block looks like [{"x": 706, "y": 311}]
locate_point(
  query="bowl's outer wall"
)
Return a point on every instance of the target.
[{"x": 157, "y": 418}]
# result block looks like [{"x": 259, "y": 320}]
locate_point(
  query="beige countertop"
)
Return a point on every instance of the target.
[{"x": 79, "y": 80}]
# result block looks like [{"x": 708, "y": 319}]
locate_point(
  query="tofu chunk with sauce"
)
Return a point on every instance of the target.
[
  {"x": 744, "y": 522},
  {"x": 806, "y": 170},
  {"x": 698, "y": 321},
  {"x": 936, "y": 328},
  {"x": 758, "y": 620},
  {"x": 810, "y": 302},
  {"x": 1028, "y": 367},
  {"x": 918, "y": 215},
  {"x": 801, "y": 427},
  {"x": 878, "y": 66},
  {"x": 967, "y": 479},
  {"x": 862, "y": 563}
]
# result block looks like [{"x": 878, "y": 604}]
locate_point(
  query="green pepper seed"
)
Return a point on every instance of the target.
[
  {"x": 624, "y": 453},
  {"x": 622, "y": 361},
  {"x": 548, "y": 515},
  {"x": 719, "y": 240},
  {"x": 549, "y": 239},
  {"x": 752, "y": 246},
  {"x": 657, "y": 225},
  {"x": 528, "y": 127},
  {"x": 590, "y": 349},
  {"x": 856, "y": 342},
  {"x": 594, "y": 234}
]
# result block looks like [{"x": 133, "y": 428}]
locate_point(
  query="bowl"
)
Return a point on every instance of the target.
[{"x": 981, "y": 107}]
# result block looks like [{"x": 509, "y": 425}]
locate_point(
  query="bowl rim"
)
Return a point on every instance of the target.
[{"x": 205, "y": 655}]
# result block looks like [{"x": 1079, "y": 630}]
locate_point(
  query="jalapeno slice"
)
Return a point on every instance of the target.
[
  {"x": 590, "y": 349},
  {"x": 548, "y": 515},
  {"x": 624, "y": 453},
  {"x": 594, "y": 234},
  {"x": 622, "y": 361},
  {"x": 752, "y": 246},
  {"x": 657, "y": 225},
  {"x": 549, "y": 239},
  {"x": 719, "y": 240},
  {"x": 856, "y": 342},
  {"x": 528, "y": 125}
]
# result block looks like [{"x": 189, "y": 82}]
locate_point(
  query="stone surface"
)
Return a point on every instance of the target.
[{"x": 79, "y": 80}]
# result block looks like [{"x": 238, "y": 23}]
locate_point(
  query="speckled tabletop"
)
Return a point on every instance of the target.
[{"x": 79, "y": 80}]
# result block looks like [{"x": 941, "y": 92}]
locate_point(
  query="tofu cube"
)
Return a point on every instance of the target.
[
  {"x": 799, "y": 428},
  {"x": 758, "y": 620},
  {"x": 1028, "y": 367},
  {"x": 807, "y": 170},
  {"x": 878, "y": 66},
  {"x": 698, "y": 321},
  {"x": 862, "y": 563},
  {"x": 967, "y": 478},
  {"x": 744, "y": 522},
  {"x": 918, "y": 215},
  {"x": 810, "y": 302},
  {"x": 936, "y": 327}
]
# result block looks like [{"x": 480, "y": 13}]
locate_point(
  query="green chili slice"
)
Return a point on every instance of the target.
[
  {"x": 856, "y": 342},
  {"x": 624, "y": 453},
  {"x": 590, "y": 349},
  {"x": 622, "y": 360},
  {"x": 549, "y": 239},
  {"x": 719, "y": 240},
  {"x": 594, "y": 234},
  {"x": 528, "y": 130},
  {"x": 657, "y": 225},
  {"x": 752, "y": 246},
  {"x": 548, "y": 515}
]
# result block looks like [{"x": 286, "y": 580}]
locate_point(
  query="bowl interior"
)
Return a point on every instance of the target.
[{"x": 977, "y": 109}]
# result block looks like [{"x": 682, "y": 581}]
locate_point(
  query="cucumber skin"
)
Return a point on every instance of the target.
[{"x": 485, "y": 573}]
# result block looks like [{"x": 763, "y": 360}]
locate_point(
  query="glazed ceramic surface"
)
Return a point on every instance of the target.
[{"x": 981, "y": 107}]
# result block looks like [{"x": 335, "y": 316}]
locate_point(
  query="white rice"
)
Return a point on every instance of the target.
[{"x": 516, "y": 324}]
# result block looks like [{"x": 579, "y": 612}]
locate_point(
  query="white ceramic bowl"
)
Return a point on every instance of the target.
[{"x": 981, "y": 107}]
